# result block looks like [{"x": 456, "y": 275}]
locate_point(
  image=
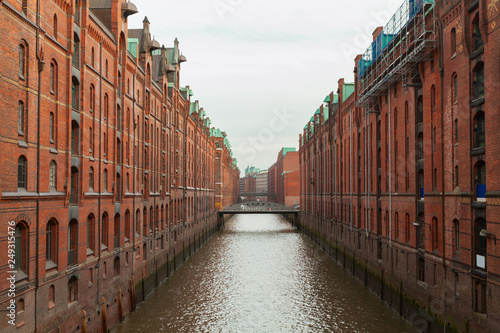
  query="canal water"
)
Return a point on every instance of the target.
[{"x": 260, "y": 275}]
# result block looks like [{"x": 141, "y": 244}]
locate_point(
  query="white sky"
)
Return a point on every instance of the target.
[{"x": 261, "y": 68}]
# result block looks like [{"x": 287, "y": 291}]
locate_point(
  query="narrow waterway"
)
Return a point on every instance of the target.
[{"x": 260, "y": 275}]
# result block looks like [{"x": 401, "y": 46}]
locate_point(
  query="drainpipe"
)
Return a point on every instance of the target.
[
  {"x": 39, "y": 56},
  {"x": 366, "y": 174},
  {"x": 390, "y": 168},
  {"x": 136, "y": 125},
  {"x": 99, "y": 218},
  {"x": 350, "y": 162}
]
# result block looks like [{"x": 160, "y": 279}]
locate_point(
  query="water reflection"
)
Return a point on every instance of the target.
[{"x": 260, "y": 275}]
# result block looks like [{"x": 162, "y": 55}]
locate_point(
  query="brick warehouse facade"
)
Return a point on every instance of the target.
[
  {"x": 119, "y": 184},
  {"x": 399, "y": 170}
]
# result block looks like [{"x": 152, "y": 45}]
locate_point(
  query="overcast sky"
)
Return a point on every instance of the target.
[{"x": 261, "y": 68}]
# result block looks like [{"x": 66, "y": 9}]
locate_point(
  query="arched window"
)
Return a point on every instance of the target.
[
  {"x": 54, "y": 26},
  {"x": 433, "y": 98},
  {"x": 75, "y": 94},
  {"x": 73, "y": 198},
  {"x": 137, "y": 222},
  {"x": 51, "y": 240},
  {"x": 52, "y": 175},
  {"x": 479, "y": 133},
  {"x": 90, "y": 234},
  {"x": 116, "y": 231},
  {"x": 22, "y": 168},
  {"x": 127, "y": 225},
  {"x": 106, "y": 108},
  {"x": 106, "y": 69},
  {"x": 92, "y": 97},
  {"x": 116, "y": 266},
  {"x": 22, "y": 61},
  {"x": 76, "y": 51},
  {"x": 91, "y": 179},
  {"x": 480, "y": 180},
  {"x": 453, "y": 42},
  {"x": 21, "y": 250},
  {"x": 420, "y": 110},
  {"x": 53, "y": 78},
  {"x": 20, "y": 118},
  {"x": 476, "y": 34},
  {"x": 52, "y": 297},
  {"x": 478, "y": 81},
  {"x": 396, "y": 225},
  {"x": 73, "y": 242},
  {"x": 127, "y": 183},
  {"x": 73, "y": 289},
  {"x": 104, "y": 231},
  {"x": 454, "y": 88},
  {"x": 420, "y": 140},
  {"x": 51, "y": 127}
]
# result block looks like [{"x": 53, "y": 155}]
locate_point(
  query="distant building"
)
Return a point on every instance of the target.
[{"x": 271, "y": 183}]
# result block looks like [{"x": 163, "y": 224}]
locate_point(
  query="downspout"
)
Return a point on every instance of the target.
[
  {"x": 136, "y": 125},
  {"x": 366, "y": 174},
  {"x": 441, "y": 75},
  {"x": 99, "y": 218},
  {"x": 39, "y": 56},
  {"x": 350, "y": 162},
  {"x": 390, "y": 167}
]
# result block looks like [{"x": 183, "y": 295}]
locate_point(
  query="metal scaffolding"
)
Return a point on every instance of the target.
[{"x": 396, "y": 52}]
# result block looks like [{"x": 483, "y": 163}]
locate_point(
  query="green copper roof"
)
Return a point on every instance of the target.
[
  {"x": 347, "y": 91},
  {"x": 317, "y": 111},
  {"x": 325, "y": 114},
  {"x": 312, "y": 119},
  {"x": 287, "y": 150},
  {"x": 327, "y": 99},
  {"x": 335, "y": 99},
  {"x": 215, "y": 132},
  {"x": 194, "y": 108}
]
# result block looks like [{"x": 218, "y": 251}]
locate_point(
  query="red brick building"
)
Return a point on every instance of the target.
[
  {"x": 118, "y": 184},
  {"x": 399, "y": 171},
  {"x": 271, "y": 183},
  {"x": 287, "y": 177}
]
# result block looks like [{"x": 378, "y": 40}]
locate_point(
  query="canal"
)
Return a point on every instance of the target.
[{"x": 260, "y": 275}]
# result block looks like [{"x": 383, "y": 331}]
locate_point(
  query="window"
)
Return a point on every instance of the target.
[
  {"x": 421, "y": 231},
  {"x": 454, "y": 88},
  {"x": 127, "y": 183},
  {"x": 51, "y": 127},
  {"x": 92, "y": 97},
  {"x": 92, "y": 57},
  {"x": 73, "y": 289},
  {"x": 76, "y": 51},
  {"x": 22, "y": 166},
  {"x": 54, "y": 26},
  {"x": 116, "y": 266},
  {"x": 91, "y": 179},
  {"x": 52, "y": 78},
  {"x": 420, "y": 146},
  {"x": 116, "y": 231},
  {"x": 51, "y": 240},
  {"x": 127, "y": 225},
  {"x": 479, "y": 135},
  {"x": 104, "y": 231},
  {"x": 453, "y": 42},
  {"x": 137, "y": 222},
  {"x": 420, "y": 110},
  {"x": 22, "y": 61},
  {"x": 105, "y": 181},
  {"x": 73, "y": 242},
  {"x": 91, "y": 140},
  {"x": 20, "y": 118},
  {"x": 75, "y": 94},
  {"x": 478, "y": 81},
  {"x": 456, "y": 236},
  {"x": 456, "y": 130},
  {"x": 52, "y": 175},
  {"x": 396, "y": 224},
  {"x": 476, "y": 34},
  {"x": 456, "y": 176},
  {"x": 90, "y": 234},
  {"x": 433, "y": 98},
  {"x": 106, "y": 69},
  {"x": 52, "y": 297},
  {"x": 73, "y": 198},
  {"x": 106, "y": 108},
  {"x": 421, "y": 269},
  {"x": 21, "y": 248},
  {"x": 480, "y": 249},
  {"x": 480, "y": 181},
  {"x": 480, "y": 297}
]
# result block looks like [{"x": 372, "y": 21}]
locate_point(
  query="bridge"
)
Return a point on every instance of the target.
[{"x": 257, "y": 207}]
